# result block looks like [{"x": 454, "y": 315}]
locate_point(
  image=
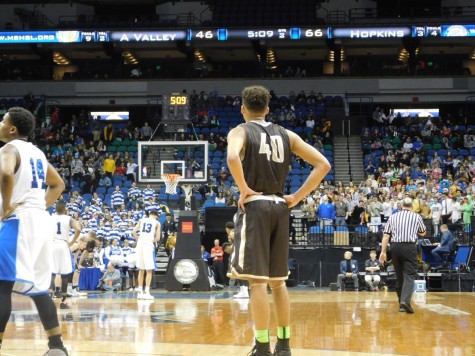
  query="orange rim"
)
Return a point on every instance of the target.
[{"x": 171, "y": 177}]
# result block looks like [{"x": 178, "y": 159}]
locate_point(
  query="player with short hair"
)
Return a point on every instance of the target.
[
  {"x": 258, "y": 156},
  {"x": 29, "y": 185},
  {"x": 146, "y": 232}
]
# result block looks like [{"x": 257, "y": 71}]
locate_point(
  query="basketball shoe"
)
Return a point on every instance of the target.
[
  {"x": 243, "y": 293},
  {"x": 282, "y": 348},
  {"x": 57, "y": 352},
  {"x": 260, "y": 349},
  {"x": 147, "y": 296}
]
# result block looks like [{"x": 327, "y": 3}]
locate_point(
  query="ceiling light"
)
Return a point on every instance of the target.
[
  {"x": 199, "y": 56},
  {"x": 331, "y": 55},
  {"x": 129, "y": 57},
  {"x": 60, "y": 59}
]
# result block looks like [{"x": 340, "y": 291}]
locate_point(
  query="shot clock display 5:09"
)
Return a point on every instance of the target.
[{"x": 175, "y": 107}]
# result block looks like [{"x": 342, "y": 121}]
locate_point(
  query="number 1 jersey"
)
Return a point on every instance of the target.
[
  {"x": 267, "y": 157},
  {"x": 29, "y": 179}
]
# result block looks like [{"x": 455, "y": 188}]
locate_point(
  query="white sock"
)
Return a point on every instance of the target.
[{"x": 147, "y": 289}]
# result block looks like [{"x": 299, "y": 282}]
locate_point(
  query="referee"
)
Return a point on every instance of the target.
[{"x": 402, "y": 228}]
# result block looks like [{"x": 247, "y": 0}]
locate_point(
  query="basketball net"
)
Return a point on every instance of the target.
[
  {"x": 171, "y": 182},
  {"x": 188, "y": 189}
]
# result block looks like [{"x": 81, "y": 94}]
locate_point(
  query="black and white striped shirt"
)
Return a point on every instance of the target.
[{"x": 404, "y": 226}]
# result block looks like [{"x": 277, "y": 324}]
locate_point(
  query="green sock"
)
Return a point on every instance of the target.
[
  {"x": 262, "y": 336},
  {"x": 283, "y": 332}
]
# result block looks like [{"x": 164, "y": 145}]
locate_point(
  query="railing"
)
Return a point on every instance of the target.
[
  {"x": 153, "y": 20},
  {"x": 346, "y": 131},
  {"x": 337, "y": 17},
  {"x": 360, "y": 105},
  {"x": 368, "y": 235},
  {"x": 469, "y": 109},
  {"x": 447, "y": 14}
]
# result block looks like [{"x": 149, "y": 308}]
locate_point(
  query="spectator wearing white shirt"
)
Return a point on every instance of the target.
[
  {"x": 310, "y": 122},
  {"x": 435, "y": 212},
  {"x": 407, "y": 146},
  {"x": 130, "y": 172},
  {"x": 456, "y": 211}
]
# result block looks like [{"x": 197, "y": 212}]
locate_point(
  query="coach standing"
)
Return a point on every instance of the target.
[{"x": 402, "y": 228}]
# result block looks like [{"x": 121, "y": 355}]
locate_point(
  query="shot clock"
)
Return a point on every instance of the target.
[{"x": 175, "y": 107}]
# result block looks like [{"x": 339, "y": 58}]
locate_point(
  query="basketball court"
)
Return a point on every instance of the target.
[{"x": 206, "y": 323}]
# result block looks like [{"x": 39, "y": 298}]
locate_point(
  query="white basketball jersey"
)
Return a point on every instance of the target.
[
  {"x": 30, "y": 187},
  {"x": 147, "y": 230},
  {"x": 62, "y": 225}
]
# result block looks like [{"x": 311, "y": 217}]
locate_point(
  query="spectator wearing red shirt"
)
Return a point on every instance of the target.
[
  {"x": 217, "y": 254},
  {"x": 121, "y": 170}
]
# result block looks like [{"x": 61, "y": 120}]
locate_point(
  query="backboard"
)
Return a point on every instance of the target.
[{"x": 187, "y": 158}]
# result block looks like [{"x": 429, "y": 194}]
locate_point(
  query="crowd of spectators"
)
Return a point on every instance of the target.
[
  {"x": 424, "y": 158},
  {"x": 428, "y": 159},
  {"x": 101, "y": 190}
]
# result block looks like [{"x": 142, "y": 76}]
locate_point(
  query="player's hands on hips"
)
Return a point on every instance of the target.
[
  {"x": 244, "y": 194},
  {"x": 290, "y": 200},
  {"x": 9, "y": 211}
]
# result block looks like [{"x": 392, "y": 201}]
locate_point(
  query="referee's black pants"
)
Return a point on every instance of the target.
[{"x": 404, "y": 259}]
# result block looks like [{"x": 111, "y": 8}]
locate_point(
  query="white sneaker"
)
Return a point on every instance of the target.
[
  {"x": 131, "y": 289},
  {"x": 243, "y": 304},
  {"x": 77, "y": 294},
  {"x": 243, "y": 293},
  {"x": 140, "y": 295},
  {"x": 137, "y": 289},
  {"x": 147, "y": 296}
]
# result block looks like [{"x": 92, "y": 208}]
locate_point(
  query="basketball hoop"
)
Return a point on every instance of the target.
[{"x": 171, "y": 182}]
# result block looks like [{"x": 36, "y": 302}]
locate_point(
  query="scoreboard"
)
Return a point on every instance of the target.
[{"x": 236, "y": 34}]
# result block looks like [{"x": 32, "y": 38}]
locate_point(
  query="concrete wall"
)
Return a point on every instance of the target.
[{"x": 387, "y": 90}]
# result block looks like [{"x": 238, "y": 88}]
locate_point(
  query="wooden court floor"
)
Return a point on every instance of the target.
[{"x": 182, "y": 324}]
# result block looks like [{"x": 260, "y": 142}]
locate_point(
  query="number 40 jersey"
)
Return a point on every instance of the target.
[
  {"x": 29, "y": 187},
  {"x": 266, "y": 157}
]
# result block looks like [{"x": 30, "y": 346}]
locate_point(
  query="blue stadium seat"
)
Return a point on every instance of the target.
[
  {"x": 128, "y": 183},
  {"x": 101, "y": 190},
  {"x": 87, "y": 196},
  {"x": 163, "y": 197},
  {"x": 362, "y": 229}
]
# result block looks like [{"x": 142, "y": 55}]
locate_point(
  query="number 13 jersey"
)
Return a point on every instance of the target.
[
  {"x": 266, "y": 158},
  {"x": 147, "y": 230},
  {"x": 29, "y": 187}
]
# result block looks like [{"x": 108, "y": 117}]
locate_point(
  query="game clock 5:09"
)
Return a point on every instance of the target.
[
  {"x": 178, "y": 100},
  {"x": 175, "y": 107}
]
